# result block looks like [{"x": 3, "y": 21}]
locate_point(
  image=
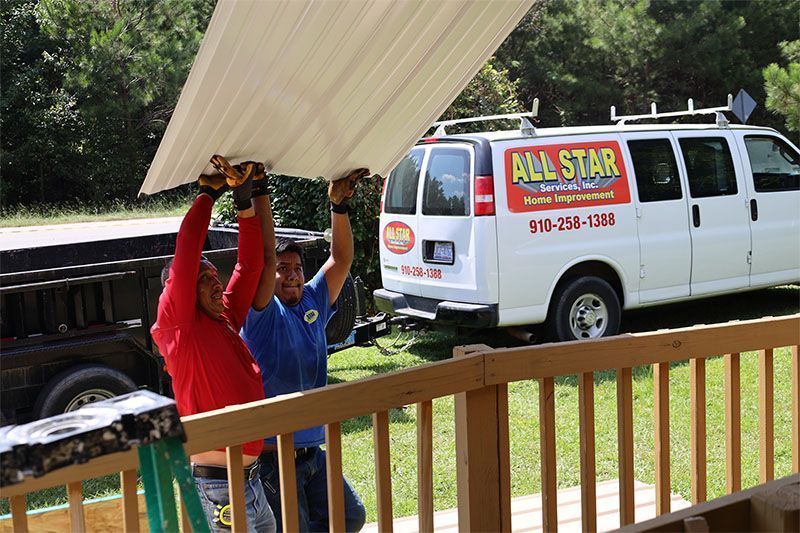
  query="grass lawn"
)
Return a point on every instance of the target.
[
  {"x": 154, "y": 207},
  {"x": 358, "y": 465}
]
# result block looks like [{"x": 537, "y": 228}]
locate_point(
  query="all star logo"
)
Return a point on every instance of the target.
[{"x": 311, "y": 316}]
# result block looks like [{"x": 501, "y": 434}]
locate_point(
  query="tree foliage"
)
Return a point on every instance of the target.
[
  {"x": 88, "y": 87},
  {"x": 783, "y": 86},
  {"x": 583, "y": 56}
]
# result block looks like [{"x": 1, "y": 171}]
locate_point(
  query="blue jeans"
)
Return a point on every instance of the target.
[
  {"x": 312, "y": 492},
  {"x": 214, "y": 498}
]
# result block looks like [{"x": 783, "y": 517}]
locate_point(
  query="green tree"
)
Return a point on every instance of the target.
[
  {"x": 782, "y": 86},
  {"x": 583, "y": 56},
  {"x": 490, "y": 92},
  {"x": 42, "y": 128},
  {"x": 89, "y": 87}
]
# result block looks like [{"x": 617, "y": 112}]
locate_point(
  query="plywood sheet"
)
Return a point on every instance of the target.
[{"x": 319, "y": 87}]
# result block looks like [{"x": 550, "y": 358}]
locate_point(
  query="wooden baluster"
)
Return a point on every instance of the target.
[
  {"x": 233, "y": 455},
  {"x": 547, "y": 445},
  {"x": 186, "y": 524},
  {"x": 733, "y": 425},
  {"x": 661, "y": 419},
  {"x": 587, "y": 445},
  {"x": 504, "y": 457},
  {"x": 77, "y": 523},
  {"x": 766, "y": 407},
  {"x": 697, "y": 403},
  {"x": 795, "y": 409},
  {"x": 333, "y": 463},
  {"x": 425, "y": 465},
  {"x": 383, "y": 470},
  {"x": 625, "y": 445},
  {"x": 288, "y": 480},
  {"x": 130, "y": 501},
  {"x": 19, "y": 517}
]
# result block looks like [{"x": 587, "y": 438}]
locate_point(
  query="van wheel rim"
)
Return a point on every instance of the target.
[
  {"x": 588, "y": 317},
  {"x": 87, "y": 397}
]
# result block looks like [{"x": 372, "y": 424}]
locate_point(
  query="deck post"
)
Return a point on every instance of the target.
[{"x": 482, "y": 456}]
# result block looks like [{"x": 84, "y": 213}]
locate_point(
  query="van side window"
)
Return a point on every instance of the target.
[
  {"x": 401, "y": 188},
  {"x": 446, "y": 189},
  {"x": 775, "y": 165},
  {"x": 709, "y": 167},
  {"x": 656, "y": 170}
]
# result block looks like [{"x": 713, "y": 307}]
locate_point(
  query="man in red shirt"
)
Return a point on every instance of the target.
[{"x": 197, "y": 332}]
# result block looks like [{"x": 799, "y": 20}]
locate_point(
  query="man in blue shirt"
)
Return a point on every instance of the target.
[{"x": 285, "y": 331}]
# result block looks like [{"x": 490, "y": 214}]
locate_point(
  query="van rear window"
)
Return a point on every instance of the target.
[
  {"x": 446, "y": 191},
  {"x": 401, "y": 189}
]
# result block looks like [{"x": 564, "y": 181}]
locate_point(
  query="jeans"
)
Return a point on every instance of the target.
[
  {"x": 312, "y": 492},
  {"x": 214, "y": 498}
]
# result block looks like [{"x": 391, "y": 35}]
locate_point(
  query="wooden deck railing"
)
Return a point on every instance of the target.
[{"x": 478, "y": 376}]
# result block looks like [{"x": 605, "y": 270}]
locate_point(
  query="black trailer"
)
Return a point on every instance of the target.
[{"x": 75, "y": 318}]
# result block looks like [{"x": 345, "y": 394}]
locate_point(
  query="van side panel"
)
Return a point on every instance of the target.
[
  {"x": 718, "y": 206},
  {"x": 560, "y": 201},
  {"x": 659, "y": 190},
  {"x": 774, "y": 206}
]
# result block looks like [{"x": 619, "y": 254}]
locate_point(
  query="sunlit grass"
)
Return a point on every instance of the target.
[{"x": 152, "y": 207}]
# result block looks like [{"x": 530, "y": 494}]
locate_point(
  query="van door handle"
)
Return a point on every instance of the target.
[
  {"x": 753, "y": 210},
  {"x": 696, "y": 215}
]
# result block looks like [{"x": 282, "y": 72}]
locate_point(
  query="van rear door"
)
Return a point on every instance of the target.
[
  {"x": 458, "y": 247},
  {"x": 399, "y": 246}
]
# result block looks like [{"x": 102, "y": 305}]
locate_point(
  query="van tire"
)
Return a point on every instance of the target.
[
  {"x": 342, "y": 322},
  {"x": 79, "y": 385},
  {"x": 583, "y": 308}
]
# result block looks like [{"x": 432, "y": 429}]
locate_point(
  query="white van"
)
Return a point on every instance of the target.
[{"x": 568, "y": 226}]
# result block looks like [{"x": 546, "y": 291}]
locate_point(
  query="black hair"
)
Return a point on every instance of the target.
[
  {"x": 165, "y": 270},
  {"x": 288, "y": 245}
]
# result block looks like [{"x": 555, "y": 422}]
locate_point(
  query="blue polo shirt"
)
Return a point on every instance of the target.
[{"x": 290, "y": 346}]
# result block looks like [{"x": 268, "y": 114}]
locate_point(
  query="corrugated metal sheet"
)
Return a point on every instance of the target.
[{"x": 319, "y": 87}]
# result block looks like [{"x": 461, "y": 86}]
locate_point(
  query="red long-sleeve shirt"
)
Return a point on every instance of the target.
[{"x": 210, "y": 365}]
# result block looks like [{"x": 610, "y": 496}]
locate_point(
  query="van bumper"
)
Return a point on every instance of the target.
[{"x": 439, "y": 311}]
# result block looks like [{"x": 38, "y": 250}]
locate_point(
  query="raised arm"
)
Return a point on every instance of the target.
[
  {"x": 338, "y": 264},
  {"x": 250, "y": 259},
  {"x": 261, "y": 203},
  {"x": 178, "y": 300}
]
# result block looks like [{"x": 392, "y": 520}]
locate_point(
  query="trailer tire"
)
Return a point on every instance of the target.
[
  {"x": 341, "y": 323},
  {"x": 77, "y": 386},
  {"x": 584, "y": 308}
]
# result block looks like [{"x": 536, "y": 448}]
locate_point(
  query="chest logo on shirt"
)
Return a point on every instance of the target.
[{"x": 311, "y": 316}]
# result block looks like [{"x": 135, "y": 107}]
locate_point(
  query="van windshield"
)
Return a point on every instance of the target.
[{"x": 401, "y": 189}]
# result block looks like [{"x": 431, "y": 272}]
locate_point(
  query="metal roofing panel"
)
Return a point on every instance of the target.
[{"x": 320, "y": 87}]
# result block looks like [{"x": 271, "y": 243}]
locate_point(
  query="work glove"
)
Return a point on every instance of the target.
[
  {"x": 341, "y": 190},
  {"x": 260, "y": 183},
  {"x": 214, "y": 185},
  {"x": 239, "y": 179}
]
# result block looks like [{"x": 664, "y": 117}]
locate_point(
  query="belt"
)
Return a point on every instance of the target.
[
  {"x": 220, "y": 472},
  {"x": 299, "y": 453}
]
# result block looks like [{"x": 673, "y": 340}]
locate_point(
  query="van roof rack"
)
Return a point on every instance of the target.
[
  {"x": 525, "y": 126},
  {"x": 722, "y": 122}
]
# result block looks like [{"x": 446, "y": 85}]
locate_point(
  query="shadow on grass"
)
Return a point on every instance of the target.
[
  {"x": 363, "y": 423},
  {"x": 381, "y": 368},
  {"x": 776, "y": 301}
]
